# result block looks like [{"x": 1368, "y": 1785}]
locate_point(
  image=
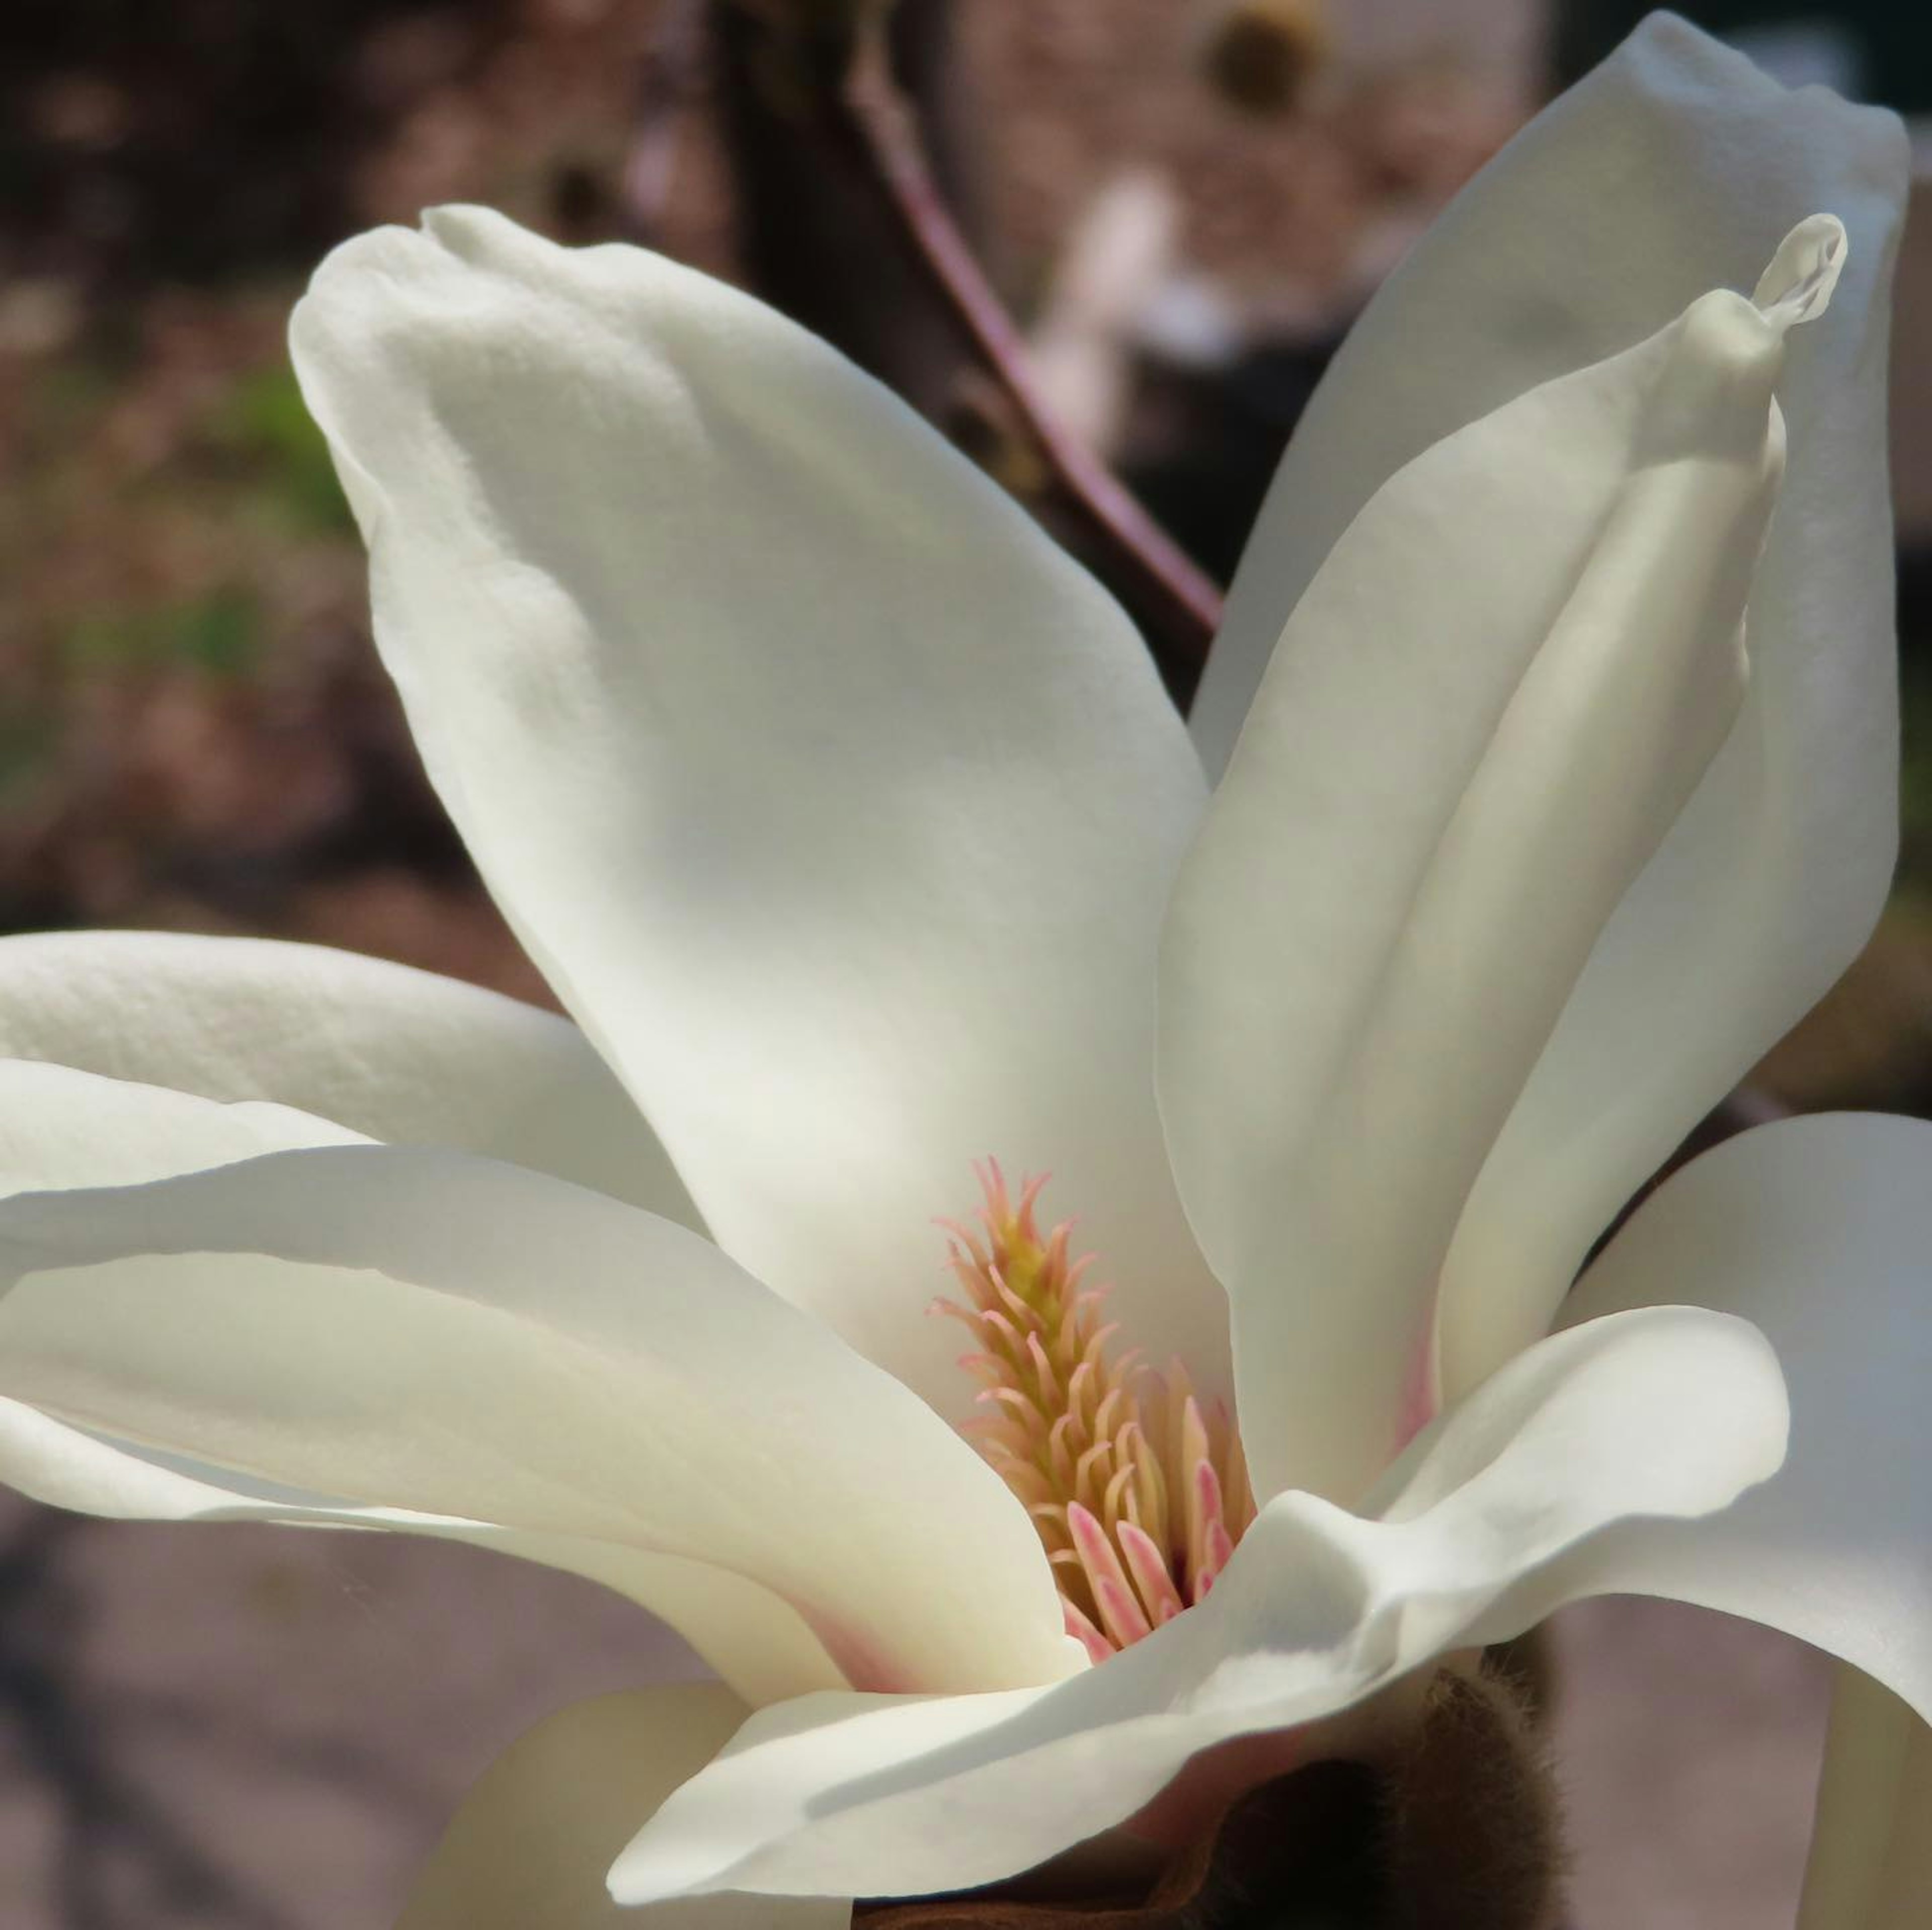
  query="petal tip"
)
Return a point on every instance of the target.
[{"x": 1797, "y": 286}]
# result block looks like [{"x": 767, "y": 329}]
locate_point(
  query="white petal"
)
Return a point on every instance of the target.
[
  {"x": 751, "y": 1637},
  {"x": 444, "y": 1334},
  {"x": 1871, "y": 1848},
  {"x": 1674, "y": 165},
  {"x": 1670, "y": 1412},
  {"x": 61, "y": 1128},
  {"x": 1483, "y": 717},
  {"x": 1817, "y": 1230},
  {"x": 837, "y": 804},
  {"x": 392, "y": 1053},
  {"x": 529, "y": 1848}
]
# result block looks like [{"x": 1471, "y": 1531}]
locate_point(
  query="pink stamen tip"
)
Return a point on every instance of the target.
[
  {"x": 1220, "y": 1552},
  {"x": 1017, "y": 1402},
  {"x": 1096, "y": 1645},
  {"x": 1086, "y": 1466},
  {"x": 998, "y": 1323},
  {"x": 1049, "y": 1381},
  {"x": 1149, "y": 1570},
  {"x": 1121, "y": 1614},
  {"x": 1208, "y": 1485}
]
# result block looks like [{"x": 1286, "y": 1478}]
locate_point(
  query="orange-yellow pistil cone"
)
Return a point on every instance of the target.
[{"x": 1138, "y": 1490}]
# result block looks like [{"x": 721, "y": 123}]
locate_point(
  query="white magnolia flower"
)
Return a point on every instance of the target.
[{"x": 846, "y": 818}]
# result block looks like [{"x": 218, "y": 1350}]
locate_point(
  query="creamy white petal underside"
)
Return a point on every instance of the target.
[
  {"x": 1819, "y": 1231},
  {"x": 837, "y": 804},
  {"x": 1676, "y": 165},
  {"x": 753, "y": 1640},
  {"x": 447, "y": 1335},
  {"x": 62, "y": 1128},
  {"x": 1483, "y": 717},
  {"x": 1871, "y": 1846},
  {"x": 1669, "y": 1413},
  {"x": 388, "y": 1051},
  {"x": 529, "y": 1849}
]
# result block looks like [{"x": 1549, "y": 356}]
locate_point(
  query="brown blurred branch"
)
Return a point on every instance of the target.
[
  {"x": 851, "y": 145},
  {"x": 814, "y": 235},
  {"x": 1140, "y": 558}
]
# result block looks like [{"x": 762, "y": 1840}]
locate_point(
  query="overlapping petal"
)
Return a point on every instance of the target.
[
  {"x": 532, "y": 1841},
  {"x": 448, "y": 1336},
  {"x": 1818, "y": 1230},
  {"x": 389, "y": 1052},
  {"x": 1669, "y": 1412},
  {"x": 1483, "y": 718},
  {"x": 1871, "y": 1867},
  {"x": 837, "y": 804},
  {"x": 60, "y": 1128},
  {"x": 756, "y": 1641},
  {"x": 1676, "y": 165}
]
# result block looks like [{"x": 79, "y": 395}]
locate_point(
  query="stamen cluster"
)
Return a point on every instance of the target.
[{"x": 1138, "y": 1489}]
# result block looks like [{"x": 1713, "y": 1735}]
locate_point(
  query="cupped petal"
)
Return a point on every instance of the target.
[
  {"x": 1483, "y": 717},
  {"x": 1871, "y": 1867},
  {"x": 1674, "y": 165},
  {"x": 837, "y": 804},
  {"x": 391, "y": 1053},
  {"x": 447, "y": 1335},
  {"x": 1817, "y": 1230},
  {"x": 1669, "y": 1412},
  {"x": 530, "y": 1846}
]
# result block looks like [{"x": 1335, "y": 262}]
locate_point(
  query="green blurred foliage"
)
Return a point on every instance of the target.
[
  {"x": 264, "y": 421},
  {"x": 219, "y": 634},
  {"x": 27, "y": 743}
]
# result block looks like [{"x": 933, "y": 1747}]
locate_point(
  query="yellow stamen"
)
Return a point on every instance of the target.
[{"x": 1138, "y": 1492}]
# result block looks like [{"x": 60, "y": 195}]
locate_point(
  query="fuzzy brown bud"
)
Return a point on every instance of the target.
[{"x": 1458, "y": 1831}]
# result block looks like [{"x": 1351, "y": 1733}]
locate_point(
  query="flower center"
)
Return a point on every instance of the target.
[{"x": 1138, "y": 1490}]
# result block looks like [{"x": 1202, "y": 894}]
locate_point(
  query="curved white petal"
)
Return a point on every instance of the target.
[
  {"x": 761, "y": 709},
  {"x": 753, "y": 1638},
  {"x": 1674, "y": 165},
  {"x": 1871, "y": 1847},
  {"x": 1483, "y": 717},
  {"x": 1819, "y": 1231},
  {"x": 1669, "y": 1412},
  {"x": 390, "y": 1052},
  {"x": 60, "y": 1127},
  {"x": 529, "y": 1849},
  {"x": 434, "y": 1332}
]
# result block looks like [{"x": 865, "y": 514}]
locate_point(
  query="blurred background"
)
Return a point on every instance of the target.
[{"x": 1182, "y": 204}]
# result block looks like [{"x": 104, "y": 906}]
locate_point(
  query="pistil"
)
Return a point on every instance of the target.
[{"x": 1137, "y": 1487}]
